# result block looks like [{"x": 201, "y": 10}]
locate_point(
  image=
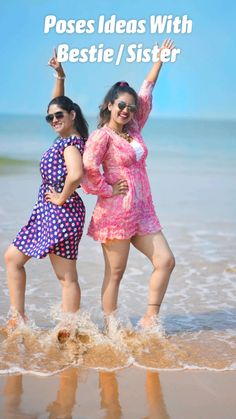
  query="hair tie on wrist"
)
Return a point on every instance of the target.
[{"x": 59, "y": 77}]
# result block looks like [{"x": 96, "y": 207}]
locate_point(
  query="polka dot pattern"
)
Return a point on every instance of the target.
[{"x": 52, "y": 228}]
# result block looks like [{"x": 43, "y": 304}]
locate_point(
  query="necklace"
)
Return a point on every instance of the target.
[{"x": 124, "y": 135}]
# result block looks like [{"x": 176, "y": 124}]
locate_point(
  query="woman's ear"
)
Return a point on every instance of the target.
[
  {"x": 73, "y": 114},
  {"x": 109, "y": 107}
]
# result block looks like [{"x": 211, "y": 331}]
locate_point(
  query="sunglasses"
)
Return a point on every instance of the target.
[
  {"x": 58, "y": 115},
  {"x": 122, "y": 105}
]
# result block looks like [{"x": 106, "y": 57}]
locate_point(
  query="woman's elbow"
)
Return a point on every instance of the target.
[{"x": 75, "y": 176}]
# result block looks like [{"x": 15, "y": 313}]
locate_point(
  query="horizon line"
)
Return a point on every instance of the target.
[{"x": 160, "y": 116}]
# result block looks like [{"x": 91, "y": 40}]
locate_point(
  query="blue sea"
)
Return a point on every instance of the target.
[{"x": 192, "y": 171}]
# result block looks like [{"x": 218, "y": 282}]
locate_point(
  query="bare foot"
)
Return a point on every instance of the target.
[
  {"x": 16, "y": 321},
  {"x": 148, "y": 321},
  {"x": 112, "y": 325}
]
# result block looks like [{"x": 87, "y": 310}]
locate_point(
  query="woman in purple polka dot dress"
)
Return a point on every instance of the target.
[{"x": 56, "y": 224}]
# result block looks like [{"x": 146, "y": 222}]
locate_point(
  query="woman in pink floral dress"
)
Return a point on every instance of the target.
[{"x": 124, "y": 213}]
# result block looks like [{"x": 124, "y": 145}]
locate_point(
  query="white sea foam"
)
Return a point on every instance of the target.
[{"x": 18, "y": 370}]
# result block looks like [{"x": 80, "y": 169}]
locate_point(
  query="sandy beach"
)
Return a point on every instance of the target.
[{"x": 130, "y": 393}]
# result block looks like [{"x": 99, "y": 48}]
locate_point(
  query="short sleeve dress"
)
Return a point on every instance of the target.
[
  {"x": 120, "y": 216},
  {"x": 52, "y": 228}
]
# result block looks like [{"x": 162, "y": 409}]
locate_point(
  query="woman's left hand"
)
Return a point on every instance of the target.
[
  {"x": 53, "y": 196},
  {"x": 54, "y": 63},
  {"x": 167, "y": 44}
]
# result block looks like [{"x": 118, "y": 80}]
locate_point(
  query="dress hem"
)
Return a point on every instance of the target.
[
  {"x": 41, "y": 257},
  {"x": 124, "y": 237}
]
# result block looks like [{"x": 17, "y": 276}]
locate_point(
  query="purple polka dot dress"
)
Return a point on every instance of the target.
[{"x": 52, "y": 228}]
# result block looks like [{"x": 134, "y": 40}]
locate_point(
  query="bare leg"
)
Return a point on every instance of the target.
[
  {"x": 115, "y": 254},
  {"x": 156, "y": 248},
  {"x": 16, "y": 278},
  {"x": 65, "y": 270}
]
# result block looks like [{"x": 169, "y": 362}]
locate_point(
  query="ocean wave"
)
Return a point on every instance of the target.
[{"x": 76, "y": 340}]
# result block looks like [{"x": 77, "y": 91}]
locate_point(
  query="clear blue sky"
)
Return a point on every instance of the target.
[{"x": 200, "y": 84}]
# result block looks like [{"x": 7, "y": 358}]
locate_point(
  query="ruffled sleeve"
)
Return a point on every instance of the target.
[
  {"x": 94, "y": 181},
  {"x": 75, "y": 141},
  {"x": 144, "y": 103}
]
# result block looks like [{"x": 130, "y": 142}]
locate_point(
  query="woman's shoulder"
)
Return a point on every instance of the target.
[
  {"x": 74, "y": 140},
  {"x": 71, "y": 137},
  {"x": 99, "y": 134}
]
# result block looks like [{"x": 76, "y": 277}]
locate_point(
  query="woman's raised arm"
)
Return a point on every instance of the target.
[
  {"x": 155, "y": 70},
  {"x": 145, "y": 92},
  {"x": 59, "y": 86}
]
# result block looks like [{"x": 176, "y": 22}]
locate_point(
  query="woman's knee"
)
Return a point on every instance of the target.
[
  {"x": 67, "y": 279},
  {"x": 171, "y": 262},
  {"x": 116, "y": 273},
  {"x": 166, "y": 261},
  {"x": 11, "y": 258}
]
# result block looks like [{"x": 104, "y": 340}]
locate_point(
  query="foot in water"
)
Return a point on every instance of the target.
[
  {"x": 149, "y": 321},
  {"x": 16, "y": 321}
]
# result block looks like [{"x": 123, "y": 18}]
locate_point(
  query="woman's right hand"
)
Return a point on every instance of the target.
[
  {"x": 54, "y": 63},
  {"x": 120, "y": 187}
]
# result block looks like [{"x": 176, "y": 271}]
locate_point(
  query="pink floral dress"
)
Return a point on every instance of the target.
[{"x": 120, "y": 216}]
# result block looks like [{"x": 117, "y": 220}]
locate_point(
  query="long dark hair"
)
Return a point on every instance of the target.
[
  {"x": 67, "y": 105},
  {"x": 115, "y": 91}
]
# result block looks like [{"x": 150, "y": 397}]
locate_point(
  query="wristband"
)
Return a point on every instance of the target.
[{"x": 59, "y": 77}]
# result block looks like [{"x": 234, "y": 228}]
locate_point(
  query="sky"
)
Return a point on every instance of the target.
[{"x": 200, "y": 84}]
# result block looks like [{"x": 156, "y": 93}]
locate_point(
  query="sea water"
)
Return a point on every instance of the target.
[{"x": 192, "y": 171}]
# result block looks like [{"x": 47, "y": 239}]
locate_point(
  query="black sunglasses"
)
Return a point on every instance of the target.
[
  {"x": 122, "y": 105},
  {"x": 58, "y": 115}
]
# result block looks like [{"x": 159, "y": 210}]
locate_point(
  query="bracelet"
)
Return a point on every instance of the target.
[
  {"x": 158, "y": 305},
  {"x": 59, "y": 77}
]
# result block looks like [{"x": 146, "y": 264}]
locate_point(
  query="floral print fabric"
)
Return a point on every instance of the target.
[{"x": 120, "y": 216}]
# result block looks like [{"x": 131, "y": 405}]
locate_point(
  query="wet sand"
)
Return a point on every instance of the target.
[{"x": 130, "y": 393}]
